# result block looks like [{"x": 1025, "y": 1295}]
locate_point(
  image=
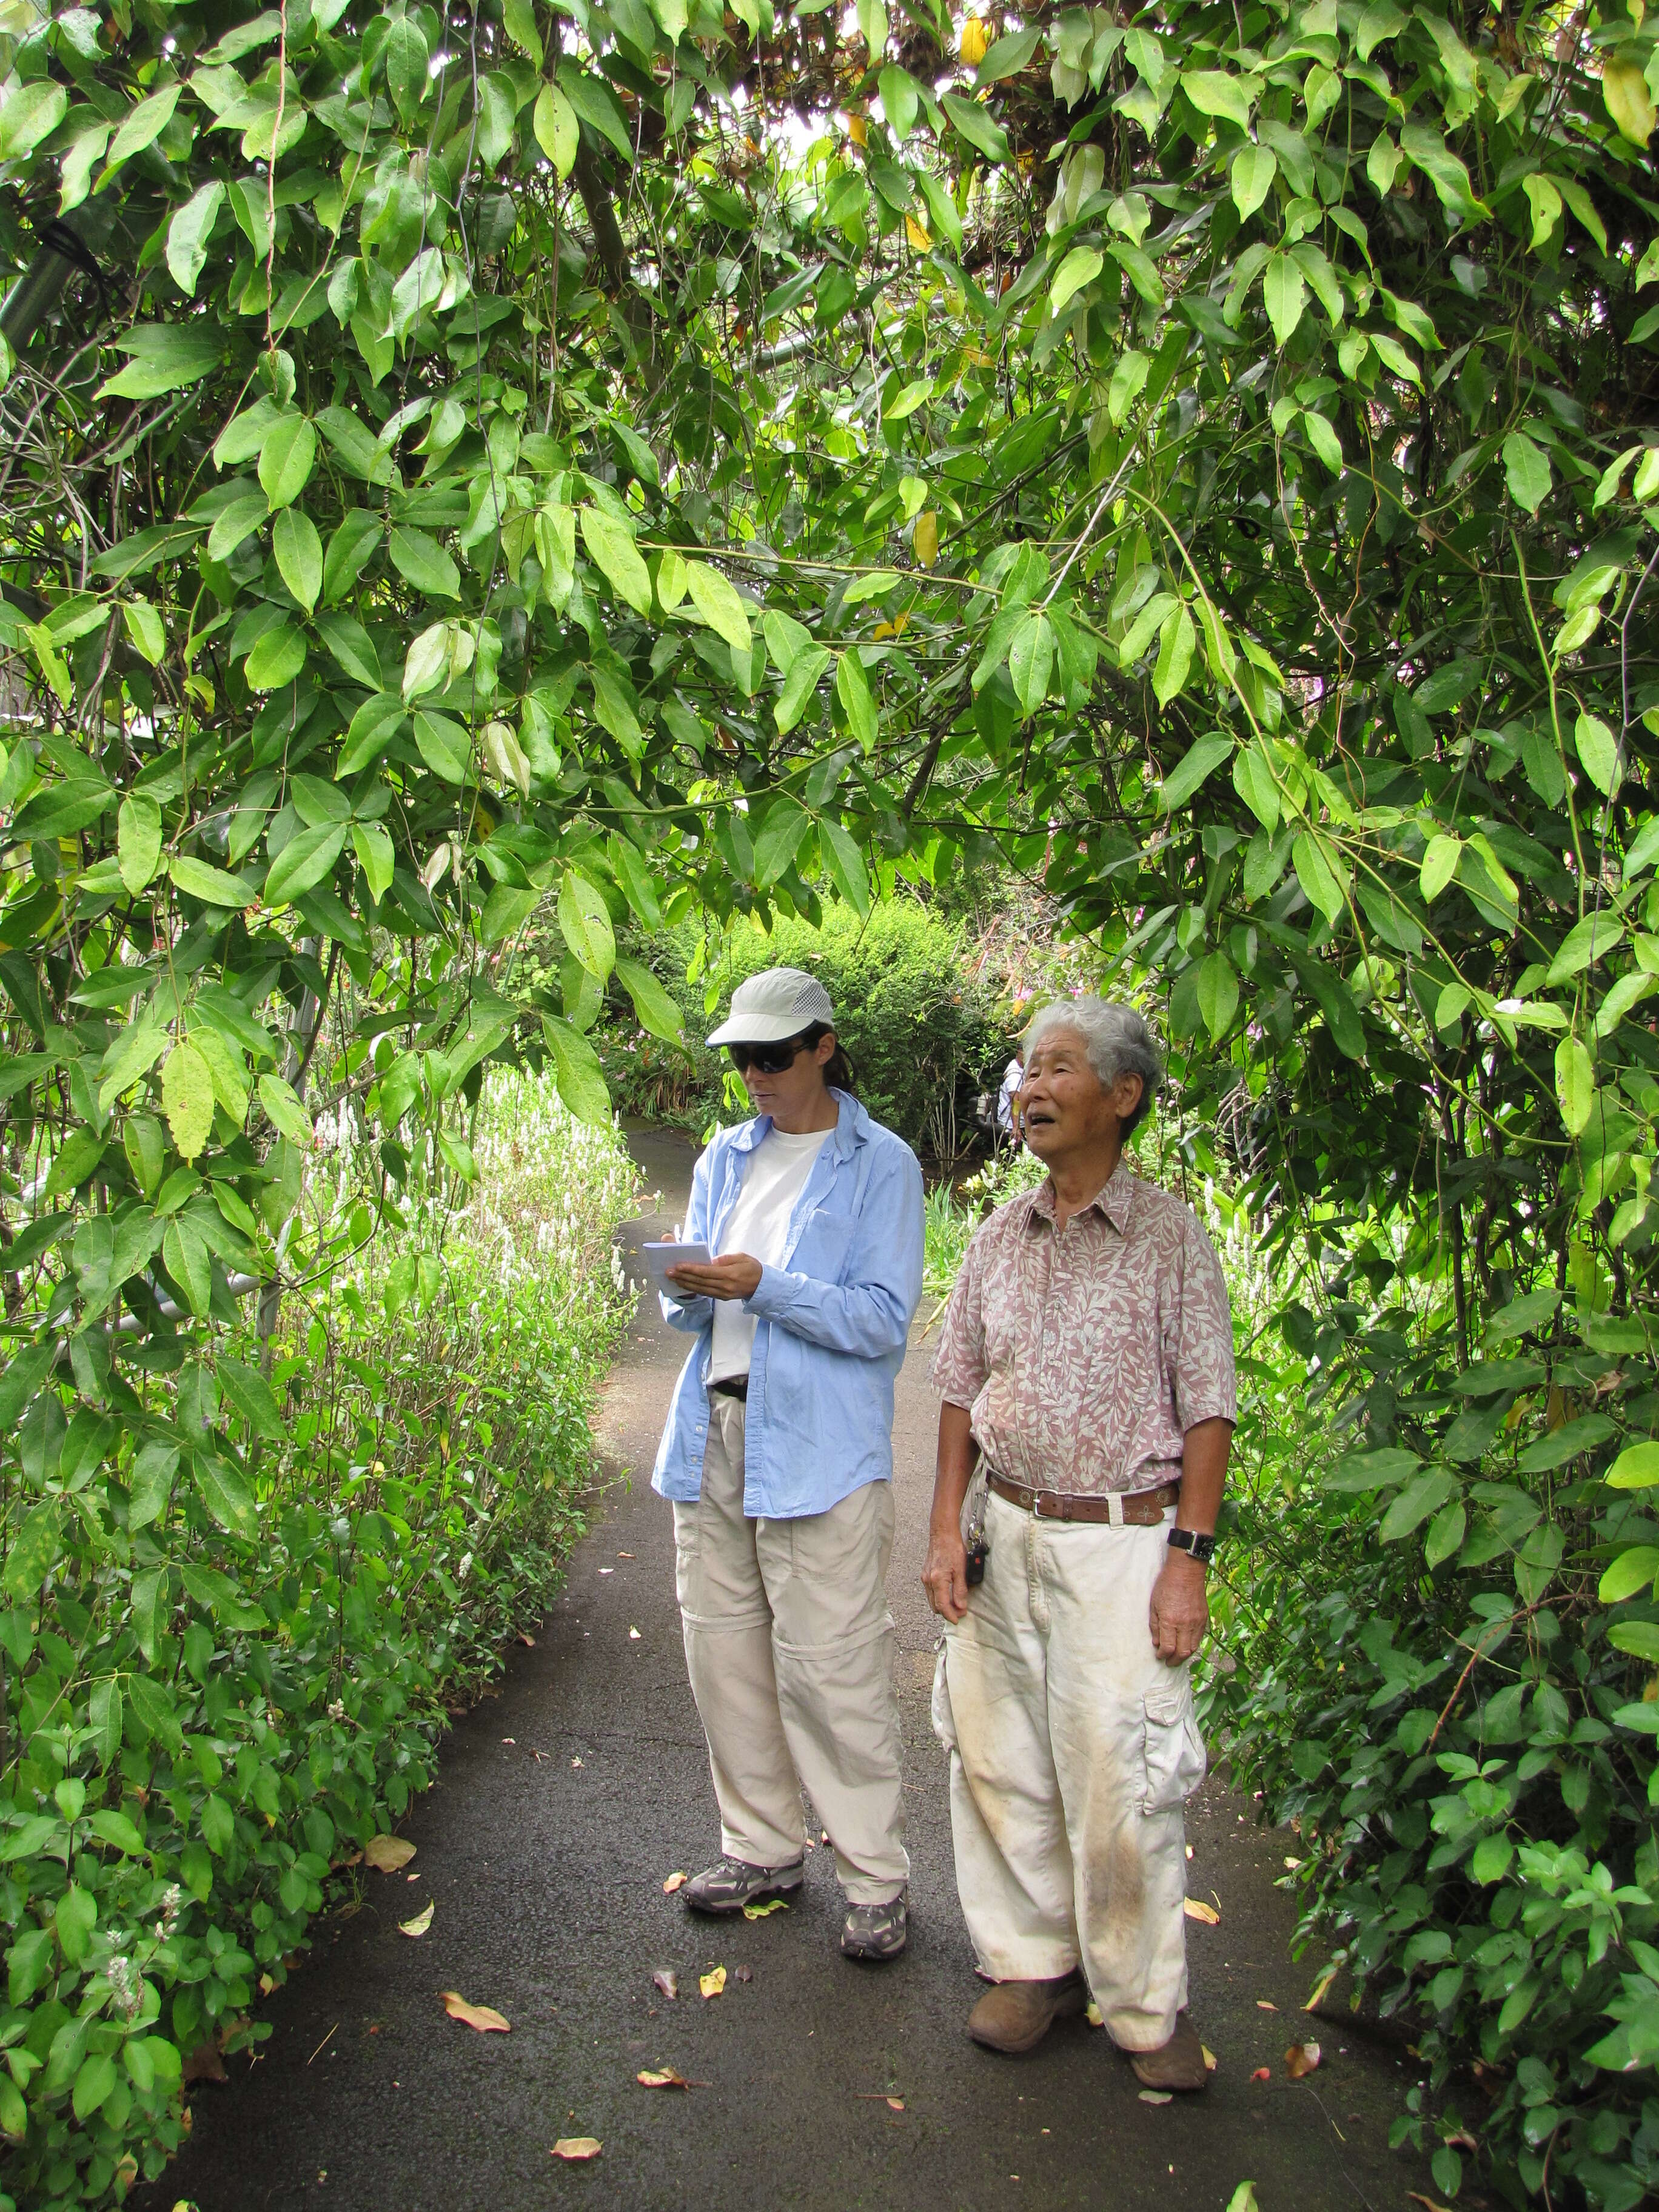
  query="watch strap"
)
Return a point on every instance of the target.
[{"x": 1189, "y": 1540}]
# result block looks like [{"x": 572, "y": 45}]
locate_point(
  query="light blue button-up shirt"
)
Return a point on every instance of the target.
[{"x": 832, "y": 1321}]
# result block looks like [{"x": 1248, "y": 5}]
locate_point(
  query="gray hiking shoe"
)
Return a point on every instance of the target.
[
  {"x": 730, "y": 1884},
  {"x": 877, "y": 1931}
]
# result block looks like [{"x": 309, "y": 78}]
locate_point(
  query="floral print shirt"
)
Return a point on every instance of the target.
[{"x": 1084, "y": 1353}]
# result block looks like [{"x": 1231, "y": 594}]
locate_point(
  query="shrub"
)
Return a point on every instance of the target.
[
  {"x": 925, "y": 1032},
  {"x": 204, "y": 1720}
]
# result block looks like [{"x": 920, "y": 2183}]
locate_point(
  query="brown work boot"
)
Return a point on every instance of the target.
[
  {"x": 1015, "y": 2016},
  {"x": 1178, "y": 2065}
]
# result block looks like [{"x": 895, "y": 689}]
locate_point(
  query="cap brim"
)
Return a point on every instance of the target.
[{"x": 758, "y": 1029}]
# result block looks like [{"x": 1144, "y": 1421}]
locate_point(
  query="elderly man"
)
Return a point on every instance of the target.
[{"x": 1087, "y": 1353}]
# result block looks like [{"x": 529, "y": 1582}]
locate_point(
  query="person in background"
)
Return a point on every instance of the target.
[
  {"x": 1007, "y": 1097},
  {"x": 778, "y": 1456},
  {"x": 1087, "y": 1354}
]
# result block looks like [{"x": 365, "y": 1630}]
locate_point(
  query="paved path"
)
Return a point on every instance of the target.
[{"x": 562, "y": 1804}]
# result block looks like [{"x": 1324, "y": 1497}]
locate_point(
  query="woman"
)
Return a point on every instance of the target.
[{"x": 778, "y": 1456}]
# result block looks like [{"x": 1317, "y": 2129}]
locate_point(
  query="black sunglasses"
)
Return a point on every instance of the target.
[{"x": 767, "y": 1059}]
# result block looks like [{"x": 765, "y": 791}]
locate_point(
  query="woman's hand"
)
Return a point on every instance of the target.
[
  {"x": 945, "y": 1577},
  {"x": 734, "y": 1276}
]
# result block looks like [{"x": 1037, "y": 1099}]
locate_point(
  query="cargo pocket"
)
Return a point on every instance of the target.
[
  {"x": 1175, "y": 1758},
  {"x": 944, "y": 1725}
]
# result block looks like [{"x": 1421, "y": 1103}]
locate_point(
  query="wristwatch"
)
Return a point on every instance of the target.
[{"x": 1187, "y": 1539}]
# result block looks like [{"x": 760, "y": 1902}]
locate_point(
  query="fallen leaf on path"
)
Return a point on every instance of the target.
[
  {"x": 575, "y": 1762},
  {"x": 484, "y": 2018},
  {"x": 1266, "y": 2004},
  {"x": 388, "y": 1853},
  {"x": 745, "y": 1973},
  {"x": 577, "y": 2147},
  {"x": 1209, "y": 2057},
  {"x": 1324, "y": 1984},
  {"x": 1197, "y": 1910},
  {"x": 760, "y": 1911},
  {"x": 607, "y": 1570},
  {"x": 1154, "y": 2097},
  {"x": 1301, "y": 2059},
  {"x": 624, "y": 1555},
  {"x": 1412, "y": 2198},
  {"x": 1262, "y": 2074},
  {"x": 661, "y": 2077},
  {"x": 529, "y": 1642},
  {"x": 420, "y": 1923},
  {"x": 1243, "y": 2198},
  {"x": 896, "y": 2104},
  {"x": 668, "y": 1982},
  {"x": 633, "y": 1635},
  {"x": 713, "y": 1982},
  {"x": 674, "y": 1882},
  {"x": 1093, "y": 2014},
  {"x": 1293, "y": 1864}
]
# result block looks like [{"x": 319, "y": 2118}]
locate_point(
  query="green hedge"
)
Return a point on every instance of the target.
[
  {"x": 207, "y": 1713},
  {"x": 924, "y": 1032}
]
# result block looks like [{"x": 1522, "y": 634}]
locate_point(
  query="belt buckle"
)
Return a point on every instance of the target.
[{"x": 1037, "y": 1513}]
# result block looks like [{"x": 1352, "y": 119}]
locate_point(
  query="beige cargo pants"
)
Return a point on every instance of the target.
[
  {"x": 789, "y": 1645},
  {"x": 1073, "y": 1749}
]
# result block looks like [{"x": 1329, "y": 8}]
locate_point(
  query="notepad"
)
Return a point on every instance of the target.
[{"x": 658, "y": 1259}]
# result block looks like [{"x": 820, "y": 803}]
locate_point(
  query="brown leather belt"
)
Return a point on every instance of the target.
[{"x": 1139, "y": 1509}]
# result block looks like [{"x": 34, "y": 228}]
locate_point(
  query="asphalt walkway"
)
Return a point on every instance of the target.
[{"x": 562, "y": 1807}]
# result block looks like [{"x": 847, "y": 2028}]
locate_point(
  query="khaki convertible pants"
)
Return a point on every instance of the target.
[
  {"x": 1073, "y": 1749},
  {"x": 789, "y": 1644}
]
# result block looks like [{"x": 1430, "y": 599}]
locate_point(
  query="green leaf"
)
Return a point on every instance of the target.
[
  {"x": 373, "y": 849},
  {"x": 1575, "y": 1085},
  {"x": 611, "y": 546},
  {"x": 276, "y": 659},
  {"x": 1637, "y": 1467},
  {"x": 716, "y": 600},
  {"x": 1253, "y": 780},
  {"x": 249, "y": 1393},
  {"x": 287, "y": 456},
  {"x": 596, "y": 106},
  {"x": 299, "y": 555},
  {"x": 1217, "y": 994},
  {"x": 213, "y": 886},
  {"x": 845, "y": 865},
  {"x": 976, "y": 126},
  {"x": 577, "y": 1072},
  {"x": 1176, "y": 640},
  {"x": 188, "y": 233},
  {"x": 1284, "y": 293},
  {"x": 858, "y": 701},
  {"x": 1007, "y": 58},
  {"x": 1631, "y": 1572},
  {"x": 138, "y": 843},
  {"x": 350, "y": 644},
  {"x": 31, "y": 112},
  {"x": 1081, "y": 266},
  {"x": 1252, "y": 177},
  {"x": 778, "y": 842},
  {"x": 800, "y": 686},
  {"x": 187, "y": 1098},
  {"x": 1526, "y": 470},
  {"x": 303, "y": 862},
  {"x": 585, "y": 921},
  {"x": 350, "y": 552},
  {"x": 1439, "y": 865},
  {"x": 656, "y": 1009},
  {"x": 444, "y": 746},
  {"x": 1216, "y": 92},
  {"x": 189, "y": 1263},
  {"x": 1031, "y": 660},
  {"x": 1317, "y": 872},
  {"x": 287, "y": 1111},
  {"x": 555, "y": 128},
  {"x": 1420, "y": 1497},
  {"x": 1197, "y": 763},
  {"x": 151, "y": 1484},
  {"x": 33, "y": 1551},
  {"x": 224, "y": 1492},
  {"x": 423, "y": 564},
  {"x": 1598, "y": 750},
  {"x": 356, "y": 448},
  {"x": 166, "y": 357}
]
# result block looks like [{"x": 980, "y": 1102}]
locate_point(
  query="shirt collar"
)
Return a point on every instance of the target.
[
  {"x": 1114, "y": 1201},
  {"x": 852, "y": 1125}
]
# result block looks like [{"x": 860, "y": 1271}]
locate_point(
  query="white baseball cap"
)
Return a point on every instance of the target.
[{"x": 778, "y": 1003}]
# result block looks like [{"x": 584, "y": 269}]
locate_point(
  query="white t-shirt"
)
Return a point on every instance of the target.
[{"x": 759, "y": 1226}]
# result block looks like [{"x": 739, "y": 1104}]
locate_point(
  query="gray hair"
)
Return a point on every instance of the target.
[{"x": 1117, "y": 1040}]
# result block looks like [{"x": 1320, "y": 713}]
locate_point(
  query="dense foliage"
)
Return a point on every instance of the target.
[
  {"x": 926, "y": 1029},
  {"x": 634, "y": 458}
]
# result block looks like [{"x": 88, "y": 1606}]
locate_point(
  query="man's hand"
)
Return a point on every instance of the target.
[
  {"x": 1180, "y": 1609},
  {"x": 944, "y": 1577},
  {"x": 736, "y": 1276}
]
